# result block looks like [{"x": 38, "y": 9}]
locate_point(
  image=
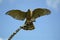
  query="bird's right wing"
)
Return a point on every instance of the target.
[{"x": 17, "y": 14}]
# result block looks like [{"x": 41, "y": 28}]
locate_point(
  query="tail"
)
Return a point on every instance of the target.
[
  {"x": 28, "y": 26},
  {"x": 31, "y": 26}
]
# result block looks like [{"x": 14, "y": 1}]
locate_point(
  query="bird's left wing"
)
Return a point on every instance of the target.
[
  {"x": 17, "y": 14},
  {"x": 40, "y": 12}
]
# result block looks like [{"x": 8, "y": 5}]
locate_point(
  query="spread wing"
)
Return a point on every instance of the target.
[
  {"x": 40, "y": 12},
  {"x": 17, "y": 14}
]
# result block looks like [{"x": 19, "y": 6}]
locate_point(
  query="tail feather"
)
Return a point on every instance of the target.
[{"x": 28, "y": 26}]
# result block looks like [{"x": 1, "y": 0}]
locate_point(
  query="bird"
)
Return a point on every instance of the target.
[{"x": 29, "y": 15}]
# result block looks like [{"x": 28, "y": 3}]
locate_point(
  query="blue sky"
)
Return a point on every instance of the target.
[{"x": 46, "y": 27}]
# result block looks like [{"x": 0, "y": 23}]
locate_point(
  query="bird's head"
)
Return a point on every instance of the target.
[{"x": 28, "y": 10}]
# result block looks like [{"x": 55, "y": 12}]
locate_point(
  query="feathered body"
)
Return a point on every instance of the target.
[
  {"x": 28, "y": 23},
  {"x": 30, "y": 16}
]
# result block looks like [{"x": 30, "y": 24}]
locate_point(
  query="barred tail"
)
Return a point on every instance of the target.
[{"x": 28, "y": 26}]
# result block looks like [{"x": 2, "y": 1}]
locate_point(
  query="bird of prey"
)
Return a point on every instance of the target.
[{"x": 29, "y": 15}]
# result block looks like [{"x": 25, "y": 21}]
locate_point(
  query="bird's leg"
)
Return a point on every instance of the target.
[{"x": 24, "y": 28}]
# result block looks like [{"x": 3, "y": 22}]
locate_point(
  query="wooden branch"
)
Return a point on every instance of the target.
[{"x": 14, "y": 33}]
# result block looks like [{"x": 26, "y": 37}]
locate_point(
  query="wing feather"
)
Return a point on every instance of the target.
[
  {"x": 17, "y": 14},
  {"x": 40, "y": 12}
]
